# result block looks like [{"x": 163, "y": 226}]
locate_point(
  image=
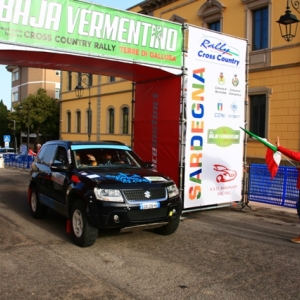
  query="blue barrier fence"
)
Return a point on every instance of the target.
[
  {"x": 282, "y": 190},
  {"x": 18, "y": 161}
]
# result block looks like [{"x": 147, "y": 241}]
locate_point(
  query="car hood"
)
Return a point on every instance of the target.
[{"x": 123, "y": 176}]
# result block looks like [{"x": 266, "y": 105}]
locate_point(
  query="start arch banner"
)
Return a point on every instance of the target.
[{"x": 73, "y": 26}]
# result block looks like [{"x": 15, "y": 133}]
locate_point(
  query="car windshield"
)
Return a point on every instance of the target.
[{"x": 106, "y": 158}]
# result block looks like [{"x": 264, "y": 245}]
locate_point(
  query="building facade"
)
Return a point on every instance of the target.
[
  {"x": 273, "y": 91},
  {"x": 106, "y": 99},
  {"x": 26, "y": 81}
]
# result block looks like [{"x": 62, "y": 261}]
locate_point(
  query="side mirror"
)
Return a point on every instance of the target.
[
  {"x": 149, "y": 165},
  {"x": 58, "y": 167}
]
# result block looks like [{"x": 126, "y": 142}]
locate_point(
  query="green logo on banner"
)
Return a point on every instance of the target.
[{"x": 223, "y": 136}]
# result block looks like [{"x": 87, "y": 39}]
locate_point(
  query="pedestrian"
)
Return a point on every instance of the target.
[
  {"x": 31, "y": 152},
  {"x": 295, "y": 156},
  {"x": 38, "y": 146}
]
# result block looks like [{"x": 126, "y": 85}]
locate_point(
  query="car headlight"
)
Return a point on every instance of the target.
[
  {"x": 172, "y": 190},
  {"x": 108, "y": 195}
]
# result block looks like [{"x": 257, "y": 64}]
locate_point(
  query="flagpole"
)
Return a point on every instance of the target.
[
  {"x": 244, "y": 200},
  {"x": 288, "y": 159}
]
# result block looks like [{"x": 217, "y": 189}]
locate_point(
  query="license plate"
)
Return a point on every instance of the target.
[{"x": 149, "y": 205}]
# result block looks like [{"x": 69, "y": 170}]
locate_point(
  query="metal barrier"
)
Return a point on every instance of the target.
[
  {"x": 282, "y": 190},
  {"x": 18, "y": 161}
]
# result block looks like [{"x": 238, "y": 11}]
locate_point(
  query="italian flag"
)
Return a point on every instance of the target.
[
  {"x": 273, "y": 160},
  {"x": 273, "y": 157}
]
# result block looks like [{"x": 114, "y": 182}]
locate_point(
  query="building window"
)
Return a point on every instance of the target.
[
  {"x": 111, "y": 120},
  {"x": 211, "y": 14},
  {"x": 112, "y": 78},
  {"x": 258, "y": 32},
  {"x": 15, "y": 97},
  {"x": 69, "y": 81},
  {"x": 90, "y": 80},
  {"x": 78, "y": 121},
  {"x": 68, "y": 121},
  {"x": 15, "y": 75},
  {"x": 260, "y": 29},
  {"x": 84, "y": 79},
  {"x": 125, "y": 120},
  {"x": 258, "y": 118},
  {"x": 57, "y": 91},
  {"x": 177, "y": 19},
  {"x": 79, "y": 78},
  {"x": 216, "y": 26},
  {"x": 88, "y": 123}
]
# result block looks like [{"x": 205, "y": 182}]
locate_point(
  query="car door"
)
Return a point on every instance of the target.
[
  {"x": 60, "y": 178},
  {"x": 43, "y": 173}
]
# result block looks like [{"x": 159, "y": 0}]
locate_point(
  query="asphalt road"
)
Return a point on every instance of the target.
[{"x": 225, "y": 253}]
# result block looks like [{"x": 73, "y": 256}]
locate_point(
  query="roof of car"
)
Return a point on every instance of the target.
[{"x": 98, "y": 143}]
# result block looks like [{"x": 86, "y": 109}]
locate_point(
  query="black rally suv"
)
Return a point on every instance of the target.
[{"x": 101, "y": 185}]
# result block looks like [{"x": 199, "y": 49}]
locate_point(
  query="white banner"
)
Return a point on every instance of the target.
[{"x": 215, "y": 110}]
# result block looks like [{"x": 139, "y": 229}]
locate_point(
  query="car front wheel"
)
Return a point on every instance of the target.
[
  {"x": 170, "y": 228},
  {"x": 83, "y": 234}
]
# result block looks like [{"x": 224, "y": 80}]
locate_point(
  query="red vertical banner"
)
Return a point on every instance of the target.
[{"x": 156, "y": 124}]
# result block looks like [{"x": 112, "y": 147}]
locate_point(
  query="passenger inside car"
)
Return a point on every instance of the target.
[
  {"x": 92, "y": 160},
  {"x": 88, "y": 160}
]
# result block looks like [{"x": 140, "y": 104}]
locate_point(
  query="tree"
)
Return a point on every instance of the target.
[
  {"x": 40, "y": 112},
  {"x": 3, "y": 122}
]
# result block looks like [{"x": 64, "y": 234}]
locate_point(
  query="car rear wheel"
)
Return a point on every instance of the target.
[
  {"x": 83, "y": 234},
  {"x": 170, "y": 228},
  {"x": 37, "y": 209}
]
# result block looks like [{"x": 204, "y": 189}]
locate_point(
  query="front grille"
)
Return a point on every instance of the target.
[
  {"x": 148, "y": 214},
  {"x": 145, "y": 194}
]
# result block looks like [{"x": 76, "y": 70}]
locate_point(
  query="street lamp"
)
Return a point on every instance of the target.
[
  {"x": 83, "y": 78},
  {"x": 288, "y": 23}
]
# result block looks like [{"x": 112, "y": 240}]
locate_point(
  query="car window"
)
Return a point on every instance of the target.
[
  {"x": 61, "y": 155},
  {"x": 46, "y": 154},
  {"x": 105, "y": 157}
]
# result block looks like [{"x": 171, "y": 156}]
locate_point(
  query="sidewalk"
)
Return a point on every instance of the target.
[{"x": 254, "y": 204}]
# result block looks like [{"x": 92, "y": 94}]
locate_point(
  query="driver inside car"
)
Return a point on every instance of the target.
[{"x": 107, "y": 159}]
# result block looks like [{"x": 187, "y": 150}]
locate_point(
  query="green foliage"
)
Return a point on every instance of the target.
[{"x": 40, "y": 112}]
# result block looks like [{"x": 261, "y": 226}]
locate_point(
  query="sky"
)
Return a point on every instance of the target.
[{"x": 5, "y": 76}]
